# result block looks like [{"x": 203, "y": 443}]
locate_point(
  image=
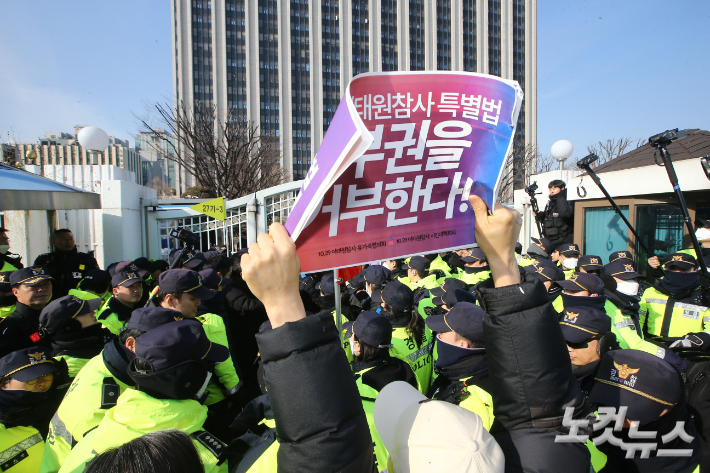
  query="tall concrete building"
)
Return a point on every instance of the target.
[{"x": 285, "y": 64}]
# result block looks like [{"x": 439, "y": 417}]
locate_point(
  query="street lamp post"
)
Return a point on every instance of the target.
[
  {"x": 561, "y": 150},
  {"x": 93, "y": 139}
]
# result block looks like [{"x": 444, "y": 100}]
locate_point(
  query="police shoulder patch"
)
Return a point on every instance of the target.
[{"x": 210, "y": 442}]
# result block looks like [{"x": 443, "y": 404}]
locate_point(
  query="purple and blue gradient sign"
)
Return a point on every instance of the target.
[{"x": 395, "y": 169}]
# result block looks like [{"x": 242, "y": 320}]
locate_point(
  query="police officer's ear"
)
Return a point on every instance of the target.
[{"x": 131, "y": 344}]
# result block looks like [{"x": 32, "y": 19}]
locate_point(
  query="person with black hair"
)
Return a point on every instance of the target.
[
  {"x": 66, "y": 264},
  {"x": 164, "y": 451},
  {"x": 411, "y": 339},
  {"x": 97, "y": 387},
  {"x": 419, "y": 274},
  {"x": 558, "y": 217},
  {"x": 69, "y": 325},
  {"x": 171, "y": 371},
  {"x": 31, "y": 387},
  {"x": 127, "y": 293},
  {"x": 32, "y": 288},
  {"x": 461, "y": 372},
  {"x": 155, "y": 269},
  {"x": 95, "y": 285},
  {"x": 396, "y": 268},
  {"x": 374, "y": 368},
  {"x": 245, "y": 314}
]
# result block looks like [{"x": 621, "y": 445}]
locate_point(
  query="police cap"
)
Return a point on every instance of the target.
[
  {"x": 377, "y": 275},
  {"x": 30, "y": 276},
  {"x": 28, "y": 364},
  {"x": 358, "y": 281},
  {"x": 125, "y": 279},
  {"x": 184, "y": 280},
  {"x": 474, "y": 256},
  {"x": 590, "y": 263},
  {"x": 644, "y": 383},
  {"x": 583, "y": 282},
  {"x": 142, "y": 262},
  {"x": 451, "y": 298},
  {"x": 621, "y": 269},
  {"x": 5, "y": 285},
  {"x": 373, "y": 329},
  {"x": 682, "y": 260},
  {"x": 376, "y": 298},
  {"x": 582, "y": 323},
  {"x": 465, "y": 318},
  {"x": 545, "y": 272},
  {"x": 569, "y": 249},
  {"x": 420, "y": 263},
  {"x": 546, "y": 244},
  {"x": 449, "y": 285},
  {"x": 129, "y": 266},
  {"x": 327, "y": 284},
  {"x": 99, "y": 276},
  {"x": 221, "y": 249},
  {"x": 212, "y": 280},
  {"x": 191, "y": 259},
  {"x": 148, "y": 318},
  {"x": 398, "y": 296},
  {"x": 174, "y": 343},
  {"x": 617, "y": 255},
  {"x": 57, "y": 313}
]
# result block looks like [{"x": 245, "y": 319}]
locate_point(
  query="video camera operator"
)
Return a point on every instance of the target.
[{"x": 558, "y": 217}]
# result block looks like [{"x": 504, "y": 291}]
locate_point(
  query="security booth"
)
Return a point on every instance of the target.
[{"x": 643, "y": 192}]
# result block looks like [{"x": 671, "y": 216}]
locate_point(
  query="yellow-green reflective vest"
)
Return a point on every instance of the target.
[
  {"x": 7, "y": 267},
  {"x": 20, "y": 449},
  {"x": 526, "y": 260},
  {"x": 5, "y": 311},
  {"x": 685, "y": 318},
  {"x": 229, "y": 380},
  {"x": 439, "y": 264},
  {"x": 476, "y": 399},
  {"x": 137, "y": 414},
  {"x": 623, "y": 327},
  {"x": 267, "y": 461},
  {"x": 344, "y": 338},
  {"x": 368, "y": 396},
  {"x": 74, "y": 364},
  {"x": 110, "y": 320},
  {"x": 426, "y": 307},
  {"x": 473, "y": 278},
  {"x": 86, "y": 295},
  {"x": 418, "y": 358},
  {"x": 80, "y": 411},
  {"x": 568, "y": 272},
  {"x": 428, "y": 282},
  {"x": 598, "y": 458}
]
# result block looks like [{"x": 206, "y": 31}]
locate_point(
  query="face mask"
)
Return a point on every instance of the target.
[
  {"x": 674, "y": 281},
  {"x": 570, "y": 263},
  {"x": 630, "y": 287},
  {"x": 4, "y": 248}
]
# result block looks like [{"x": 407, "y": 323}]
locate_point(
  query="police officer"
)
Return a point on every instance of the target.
[
  {"x": 426, "y": 306},
  {"x": 453, "y": 297},
  {"x": 568, "y": 257},
  {"x": 171, "y": 372},
  {"x": 359, "y": 297},
  {"x": 30, "y": 390},
  {"x": 33, "y": 289},
  {"x": 69, "y": 325},
  {"x": 395, "y": 267},
  {"x": 558, "y": 216},
  {"x": 7, "y": 298},
  {"x": 548, "y": 273},
  {"x": 583, "y": 329},
  {"x": 374, "y": 368},
  {"x": 541, "y": 249},
  {"x": 453, "y": 259},
  {"x": 437, "y": 263},
  {"x": 127, "y": 292},
  {"x": 676, "y": 306},
  {"x": 7, "y": 261},
  {"x": 587, "y": 290},
  {"x": 66, "y": 264},
  {"x": 648, "y": 396},
  {"x": 183, "y": 290},
  {"x": 622, "y": 255},
  {"x": 626, "y": 294},
  {"x": 411, "y": 339},
  {"x": 192, "y": 259},
  {"x": 97, "y": 387},
  {"x": 375, "y": 277},
  {"x": 326, "y": 299},
  {"x": 418, "y": 274},
  {"x": 476, "y": 267},
  {"x": 589, "y": 264},
  {"x": 95, "y": 285},
  {"x": 461, "y": 373}
]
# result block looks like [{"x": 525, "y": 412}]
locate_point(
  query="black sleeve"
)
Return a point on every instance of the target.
[
  {"x": 320, "y": 422},
  {"x": 244, "y": 303},
  {"x": 531, "y": 375},
  {"x": 41, "y": 260},
  {"x": 564, "y": 209}
]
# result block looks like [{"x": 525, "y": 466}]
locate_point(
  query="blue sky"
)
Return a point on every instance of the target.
[{"x": 606, "y": 69}]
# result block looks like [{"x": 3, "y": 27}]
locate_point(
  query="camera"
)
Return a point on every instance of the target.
[
  {"x": 185, "y": 236},
  {"x": 587, "y": 160},
  {"x": 705, "y": 163},
  {"x": 662, "y": 140},
  {"x": 530, "y": 190}
]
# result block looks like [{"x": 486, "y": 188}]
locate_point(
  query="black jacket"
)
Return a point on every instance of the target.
[
  {"x": 67, "y": 269},
  {"x": 585, "y": 375},
  {"x": 384, "y": 372},
  {"x": 530, "y": 387},
  {"x": 19, "y": 330},
  {"x": 474, "y": 370},
  {"x": 320, "y": 421},
  {"x": 558, "y": 217}
]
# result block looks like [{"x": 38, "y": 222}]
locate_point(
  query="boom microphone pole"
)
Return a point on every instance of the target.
[
  {"x": 660, "y": 142},
  {"x": 585, "y": 163}
]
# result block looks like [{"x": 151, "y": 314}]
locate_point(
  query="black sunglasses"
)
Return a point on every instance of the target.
[{"x": 580, "y": 345}]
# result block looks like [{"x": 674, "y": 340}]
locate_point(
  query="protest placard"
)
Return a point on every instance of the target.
[{"x": 394, "y": 171}]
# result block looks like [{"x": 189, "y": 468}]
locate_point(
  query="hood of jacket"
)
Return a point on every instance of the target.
[{"x": 138, "y": 413}]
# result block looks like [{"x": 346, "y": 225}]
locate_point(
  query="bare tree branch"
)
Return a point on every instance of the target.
[
  {"x": 608, "y": 150},
  {"x": 522, "y": 162},
  {"x": 229, "y": 157}
]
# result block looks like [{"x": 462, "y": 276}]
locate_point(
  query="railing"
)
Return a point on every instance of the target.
[{"x": 246, "y": 217}]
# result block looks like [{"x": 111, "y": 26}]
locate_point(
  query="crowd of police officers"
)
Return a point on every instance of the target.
[{"x": 93, "y": 359}]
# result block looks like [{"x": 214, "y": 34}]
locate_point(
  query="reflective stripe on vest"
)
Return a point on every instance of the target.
[
  {"x": 60, "y": 430},
  {"x": 19, "y": 448}
]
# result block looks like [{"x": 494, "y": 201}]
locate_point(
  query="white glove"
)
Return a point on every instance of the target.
[{"x": 685, "y": 343}]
